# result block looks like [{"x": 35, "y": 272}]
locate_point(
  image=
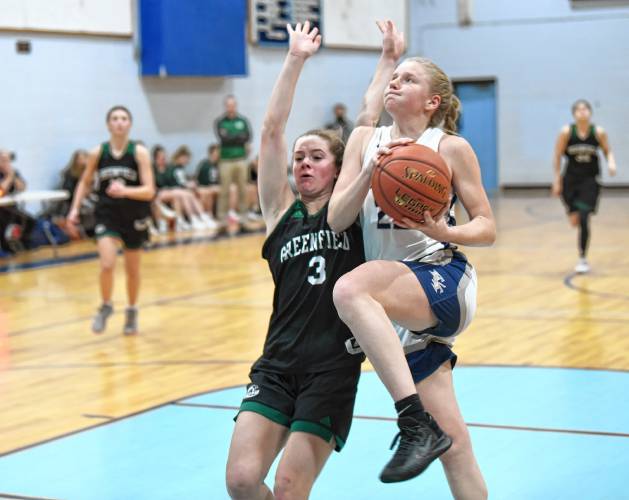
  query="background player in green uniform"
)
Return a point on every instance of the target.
[
  {"x": 126, "y": 188},
  {"x": 302, "y": 389},
  {"x": 578, "y": 185}
]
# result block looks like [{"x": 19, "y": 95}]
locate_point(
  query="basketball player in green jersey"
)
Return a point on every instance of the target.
[
  {"x": 125, "y": 190},
  {"x": 302, "y": 390},
  {"x": 578, "y": 186}
]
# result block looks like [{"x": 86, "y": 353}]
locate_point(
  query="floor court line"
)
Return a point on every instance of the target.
[
  {"x": 181, "y": 402},
  {"x": 157, "y": 302},
  {"x": 23, "y": 497},
  {"x": 550, "y": 367},
  {"x": 554, "y": 318},
  {"x": 92, "y": 255},
  {"x": 469, "y": 424},
  {"x": 104, "y": 417},
  {"x": 113, "y": 364},
  {"x": 113, "y": 420},
  {"x": 568, "y": 281},
  {"x": 177, "y": 452}
]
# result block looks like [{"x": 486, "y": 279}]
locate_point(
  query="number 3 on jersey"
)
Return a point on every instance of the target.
[{"x": 316, "y": 276}]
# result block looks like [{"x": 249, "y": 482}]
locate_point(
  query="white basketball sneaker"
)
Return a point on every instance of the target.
[
  {"x": 582, "y": 266},
  {"x": 198, "y": 224},
  {"x": 182, "y": 225},
  {"x": 209, "y": 221},
  {"x": 162, "y": 226}
]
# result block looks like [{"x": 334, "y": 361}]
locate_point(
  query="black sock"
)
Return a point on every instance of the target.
[
  {"x": 410, "y": 406},
  {"x": 584, "y": 232}
]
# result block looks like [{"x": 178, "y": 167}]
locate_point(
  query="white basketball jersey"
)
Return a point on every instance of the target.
[{"x": 382, "y": 240}]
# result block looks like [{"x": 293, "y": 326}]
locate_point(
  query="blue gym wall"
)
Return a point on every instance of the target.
[
  {"x": 543, "y": 55},
  {"x": 55, "y": 99}
]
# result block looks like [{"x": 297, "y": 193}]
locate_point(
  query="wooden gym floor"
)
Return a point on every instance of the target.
[{"x": 205, "y": 305}]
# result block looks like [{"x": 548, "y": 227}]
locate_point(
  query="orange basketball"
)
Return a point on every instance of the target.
[{"x": 411, "y": 180}]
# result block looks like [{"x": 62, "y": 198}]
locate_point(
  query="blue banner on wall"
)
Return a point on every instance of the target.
[
  {"x": 193, "y": 38},
  {"x": 268, "y": 18}
]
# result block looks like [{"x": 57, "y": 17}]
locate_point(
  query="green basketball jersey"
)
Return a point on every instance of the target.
[
  {"x": 124, "y": 169},
  {"x": 306, "y": 258}
]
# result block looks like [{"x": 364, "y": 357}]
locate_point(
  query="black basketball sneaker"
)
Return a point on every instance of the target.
[{"x": 420, "y": 442}]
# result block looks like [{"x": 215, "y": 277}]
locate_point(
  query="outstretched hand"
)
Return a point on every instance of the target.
[
  {"x": 303, "y": 42},
  {"x": 393, "y": 43}
]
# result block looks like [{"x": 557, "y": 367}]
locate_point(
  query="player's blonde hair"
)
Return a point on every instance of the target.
[{"x": 445, "y": 116}]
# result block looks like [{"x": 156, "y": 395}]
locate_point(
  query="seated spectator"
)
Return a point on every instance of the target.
[
  {"x": 10, "y": 179},
  {"x": 253, "y": 201},
  {"x": 173, "y": 189},
  {"x": 194, "y": 211},
  {"x": 15, "y": 224},
  {"x": 208, "y": 181},
  {"x": 179, "y": 162},
  {"x": 70, "y": 177},
  {"x": 160, "y": 208}
]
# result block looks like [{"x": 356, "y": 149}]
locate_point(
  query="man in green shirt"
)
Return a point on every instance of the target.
[{"x": 234, "y": 133}]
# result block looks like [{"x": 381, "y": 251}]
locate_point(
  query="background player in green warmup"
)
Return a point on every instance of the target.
[
  {"x": 578, "y": 186},
  {"x": 125, "y": 190},
  {"x": 302, "y": 390}
]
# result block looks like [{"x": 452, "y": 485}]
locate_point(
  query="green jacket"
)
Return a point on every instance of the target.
[{"x": 233, "y": 133}]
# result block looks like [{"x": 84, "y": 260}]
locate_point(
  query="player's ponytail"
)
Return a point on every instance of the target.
[{"x": 452, "y": 115}]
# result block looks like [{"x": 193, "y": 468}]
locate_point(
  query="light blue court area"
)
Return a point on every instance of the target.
[{"x": 539, "y": 433}]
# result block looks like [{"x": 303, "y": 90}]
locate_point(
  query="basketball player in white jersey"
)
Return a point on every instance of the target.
[{"x": 415, "y": 277}]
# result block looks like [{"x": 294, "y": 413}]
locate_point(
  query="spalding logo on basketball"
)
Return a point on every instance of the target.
[{"x": 411, "y": 180}]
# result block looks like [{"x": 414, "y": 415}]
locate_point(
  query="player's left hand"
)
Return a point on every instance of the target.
[
  {"x": 116, "y": 189},
  {"x": 435, "y": 228},
  {"x": 612, "y": 169},
  {"x": 303, "y": 41},
  {"x": 393, "y": 42}
]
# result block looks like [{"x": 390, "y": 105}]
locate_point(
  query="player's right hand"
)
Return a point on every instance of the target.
[
  {"x": 383, "y": 151},
  {"x": 73, "y": 217},
  {"x": 556, "y": 189}
]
